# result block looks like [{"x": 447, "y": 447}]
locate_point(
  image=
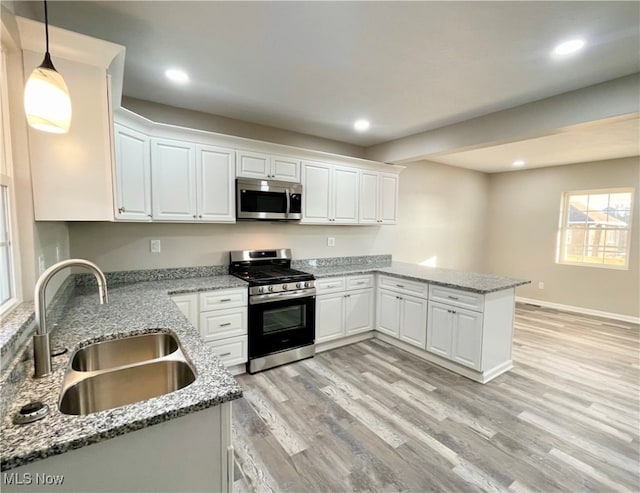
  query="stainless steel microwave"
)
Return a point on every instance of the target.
[{"x": 268, "y": 200}]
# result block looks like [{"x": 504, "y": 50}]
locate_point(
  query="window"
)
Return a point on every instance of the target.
[
  {"x": 595, "y": 228},
  {"x": 9, "y": 278}
]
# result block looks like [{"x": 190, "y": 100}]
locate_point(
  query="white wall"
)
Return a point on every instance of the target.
[
  {"x": 523, "y": 216},
  {"x": 440, "y": 214}
]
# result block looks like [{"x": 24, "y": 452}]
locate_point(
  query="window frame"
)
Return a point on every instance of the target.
[
  {"x": 564, "y": 230},
  {"x": 6, "y": 180}
]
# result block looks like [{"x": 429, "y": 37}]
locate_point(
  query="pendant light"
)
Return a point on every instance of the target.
[{"x": 46, "y": 97}]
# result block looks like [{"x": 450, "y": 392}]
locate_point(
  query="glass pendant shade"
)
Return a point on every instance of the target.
[{"x": 46, "y": 99}]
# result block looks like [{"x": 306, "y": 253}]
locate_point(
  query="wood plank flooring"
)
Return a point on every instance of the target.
[{"x": 369, "y": 417}]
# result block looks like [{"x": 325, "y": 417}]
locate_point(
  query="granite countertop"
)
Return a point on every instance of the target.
[
  {"x": 132, "y": 309},
  {"x": 468, "y": 281}
]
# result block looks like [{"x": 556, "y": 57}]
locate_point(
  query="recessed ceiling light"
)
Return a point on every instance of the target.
[
  {"x": 518, "y": 163},
  {"x": 361, "y": 125},
  {"x": 176, "y": 75},
  {"x": 569, "y": 47}
]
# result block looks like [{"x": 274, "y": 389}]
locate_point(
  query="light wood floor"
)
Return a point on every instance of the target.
[{"x": 369, "y": 417}]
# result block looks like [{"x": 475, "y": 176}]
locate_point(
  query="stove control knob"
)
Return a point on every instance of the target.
[
  {"x": 300, "y": 285},
  {"x": 285, "y": 287},
  {"x": 307, "y": 284},
  {"x": 270, "y": 288},
  {"x": 261, "y": 289}
]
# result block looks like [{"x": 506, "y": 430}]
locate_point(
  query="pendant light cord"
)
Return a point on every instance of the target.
[{"x": 46, "y": 25}]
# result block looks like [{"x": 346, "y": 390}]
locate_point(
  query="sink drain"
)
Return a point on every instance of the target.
[{"x": 31, "y": 412}]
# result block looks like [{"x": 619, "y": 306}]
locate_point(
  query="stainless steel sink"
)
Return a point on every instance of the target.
[
  {"x": 114, "y": 373},
  {"x": 121, "y": 352},
  {"x": 125, "y": 386}
]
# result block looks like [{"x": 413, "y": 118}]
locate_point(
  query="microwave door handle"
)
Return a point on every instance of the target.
[{"x": 288, "y": 202}]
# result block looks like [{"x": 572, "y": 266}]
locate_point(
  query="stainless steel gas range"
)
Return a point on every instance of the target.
[{"x": 282, "y": 307}]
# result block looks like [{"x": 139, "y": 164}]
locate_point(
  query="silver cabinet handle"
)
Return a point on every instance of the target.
[
  {"x": 360, "y": 282},
  {"x": 225, "y": 300},
  {"x": 224, "y": 324},
  {"x": 400, "y": 285},
  {"x": 121, "y": 210},
  {"x": 453, "y": 297},
  {"x": 226, "y": 354}
]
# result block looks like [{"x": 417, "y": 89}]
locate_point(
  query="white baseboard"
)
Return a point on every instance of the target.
[{"x": 579, "y": 309}]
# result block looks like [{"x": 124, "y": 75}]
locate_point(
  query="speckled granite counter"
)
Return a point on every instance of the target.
[
  {"x": 469, "y": 281},
  {"x": 133, "y": 309}
]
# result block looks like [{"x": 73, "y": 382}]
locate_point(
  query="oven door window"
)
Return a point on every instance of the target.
[{"x": 283, "y": 319}]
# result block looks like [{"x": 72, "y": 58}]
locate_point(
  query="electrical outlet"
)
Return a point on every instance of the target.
[
  {"x": 541, "y": 285},
  {"x": 154, "y": 246},
  {"x": 331, "y": 241},
  {"x": 41, "y": 265}
]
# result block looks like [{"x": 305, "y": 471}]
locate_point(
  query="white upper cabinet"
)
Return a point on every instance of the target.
[
  {"x": 345, "y": 195},
  {"x": 215, "y": 190},
  {"x": 173, "y": 172},
  {"x": 267, "y": 167},
  {"x": 330, "y": 194},
  {"x": 133, "y": 175},
  {"x": 388, "y": 199},
  {"x": 316, "y": 193},
  {"x": 285, "y": 169},
  {"x": 378, "y": 198}
]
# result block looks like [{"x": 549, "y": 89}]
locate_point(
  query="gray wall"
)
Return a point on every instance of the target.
[
  {"x": 435, "y": 200},
  {"x": 523, "y": 214}
]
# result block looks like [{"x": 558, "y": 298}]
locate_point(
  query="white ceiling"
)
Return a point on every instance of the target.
[
  {"x": 314, "y": 67},
  {"x": 611, "y": 139}
]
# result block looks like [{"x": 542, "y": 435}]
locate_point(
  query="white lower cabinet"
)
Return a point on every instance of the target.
[
  {"x": 402, "y": 316},
  {"x": 188, "y": 305},
  {"x": 344, "y": 307},
  {"x": 223, "y": 324},
  {"x": 453, "y": 332}
]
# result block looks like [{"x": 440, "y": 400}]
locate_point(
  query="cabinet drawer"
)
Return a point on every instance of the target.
[
  {"x": 420, "y": 289},
  {"x": 360, "y": 282},
  {"x": 220, "y": 324},
  {"x": 232, "y": 351},
  {"x": 227, "y": 298},
  {"x": 330, "y": 285},
  {"x": 457, "y": 297}
]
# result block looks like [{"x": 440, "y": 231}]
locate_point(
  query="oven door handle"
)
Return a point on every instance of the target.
[{"x": 289, "y": 295}]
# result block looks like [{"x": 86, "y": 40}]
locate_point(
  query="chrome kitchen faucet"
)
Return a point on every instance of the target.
[{"x": 41, "y": 341}]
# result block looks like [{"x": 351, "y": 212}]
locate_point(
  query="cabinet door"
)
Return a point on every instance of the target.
[
  {"x": 188, "y": 305},
  {"x": 215, "y": 184},
  {"x": 345, "y": 195},
  {"x": 467, "y": 338},
  {"x": 133, "y": 175},
  {"x": 253, "y": 165},
  {"x": 388, "y": 310},
  {"x": 329, "y": 317},
  {"x": 358, "y": 311},
  {"x": 369, "y": 192},
  {"x": 173, "y": 180},
  {"x": 285, "y": 169},
  {"x": 439, "y": 329},
  {"x": 316, "y": 195},
  {"x": 413, "y": 321},
  {"x": 388, "y": 199}
]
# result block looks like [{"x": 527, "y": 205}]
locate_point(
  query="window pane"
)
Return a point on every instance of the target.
[
  {"x": 6, "y": 276},
  {"x": 596, "y": 228},
  {"x": 577, "y": 210}
]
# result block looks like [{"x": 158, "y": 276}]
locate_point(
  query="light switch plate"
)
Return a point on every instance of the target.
[
  {"x": 331, "y": 241},
  {"x": 154, "y": 246}
]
